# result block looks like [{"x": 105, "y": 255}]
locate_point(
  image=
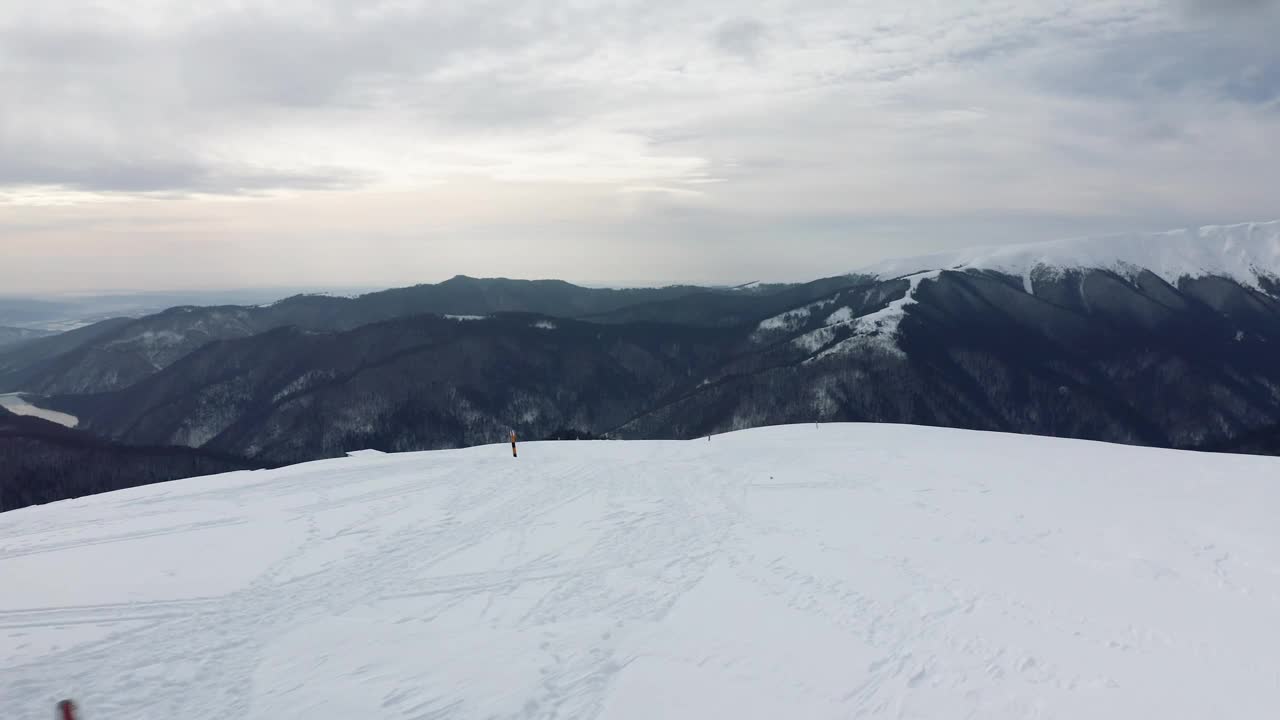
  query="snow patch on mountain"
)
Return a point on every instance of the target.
[
  {"x": 878, "y": 329},
  {"x": 815, "y": 340},
  {"x": 1244, "y": 253},
  {"x": 151, "y": 339},
  {"x": 792, "y": 319},
  {"x": 304, "y": 382},
  {"x": 844, "y": 314}
]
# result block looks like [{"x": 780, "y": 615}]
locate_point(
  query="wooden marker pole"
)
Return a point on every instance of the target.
[{"x": 513, "y": 444}]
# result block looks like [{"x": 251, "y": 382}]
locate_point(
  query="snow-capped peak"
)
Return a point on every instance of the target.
[{"x": 1242, "y": 252}]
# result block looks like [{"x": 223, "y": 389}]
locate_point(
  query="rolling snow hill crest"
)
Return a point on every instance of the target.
[{"x": 873, "y": 571}]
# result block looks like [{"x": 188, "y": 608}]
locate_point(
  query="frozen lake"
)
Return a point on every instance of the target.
[{"x": 18, "y": 405}]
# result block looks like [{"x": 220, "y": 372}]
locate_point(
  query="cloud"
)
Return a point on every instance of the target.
[
  {"x": 1231, "y": 7},
  {"x": 743, "y": 38},
  {"x": 798, "y": 120},
  {"x": 130, "y": 99}
]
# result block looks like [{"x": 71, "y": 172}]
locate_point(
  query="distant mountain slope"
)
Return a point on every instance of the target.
[
  {"x": 1248, "y": 254},
  {"x": 1092, "y": 354},
  {"x": 1109, "y": 352},
  {"x": 464, "y": 295},
  {"x": 726, "y": 309},
  {"x": 42, "y": 462},
  {"x": 410, "y": 383},
  {"x": 122, "y": 354},
  {"x": 10, "y": 336},
  {"x": 29, "y": 358}
]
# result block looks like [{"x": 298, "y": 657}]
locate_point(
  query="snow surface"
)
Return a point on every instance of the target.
[
  {"x": 1241, "y": 252},
  {"x": 18, "y": 405},
  {"x": 831, "y": 571}
]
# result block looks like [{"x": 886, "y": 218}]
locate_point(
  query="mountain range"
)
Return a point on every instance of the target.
[{"x": 1169, "y": 339}]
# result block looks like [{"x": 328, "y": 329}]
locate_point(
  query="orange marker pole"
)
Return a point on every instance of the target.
[{"x": 513, "y": 444}]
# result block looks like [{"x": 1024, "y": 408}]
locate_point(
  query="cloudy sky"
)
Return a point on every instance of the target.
[{"x": 155, "y": 144}]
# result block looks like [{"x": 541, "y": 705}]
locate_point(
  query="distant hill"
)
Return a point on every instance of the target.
[
  {"x": 119, "y": 353},
  {"x": 10, "y": 336},
  {"x": 410, "y": 383},
  {"x": 34, "y": 357},
  {"x": 42, "y": 462}
]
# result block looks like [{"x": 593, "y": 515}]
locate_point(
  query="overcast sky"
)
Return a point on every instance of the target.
[{"x": 167, "y": 145}]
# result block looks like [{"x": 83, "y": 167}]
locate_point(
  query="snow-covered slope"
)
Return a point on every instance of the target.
[
  {"x": 1240, "y": 252},
  {"x": 1247, "y": 254},
  {"x": 853, "y": 319},
  {"x": 798, "y": 572}
]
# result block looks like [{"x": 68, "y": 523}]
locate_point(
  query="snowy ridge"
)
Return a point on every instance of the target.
[
  {"x": 790, "y": 572},
  {"x": 1242, "y": 252}
]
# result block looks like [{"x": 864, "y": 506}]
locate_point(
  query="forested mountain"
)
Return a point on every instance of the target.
[
  {"x": 116, "y": 354},
  {"x": 1092, "y": 354},
  {"x": 11, "y": 336},
  {"x": 411, "y": 383},
  {"x": 41, "y": 462},
  {"x": 33, "y": 358},
  {"x": 1171, "y": 340}
]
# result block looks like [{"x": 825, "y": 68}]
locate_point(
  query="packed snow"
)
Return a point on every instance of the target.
[
  {"x": 17, "y": 404},
  {"x": 1241, "y": 252},
  {"x": 831, "y": 571}
]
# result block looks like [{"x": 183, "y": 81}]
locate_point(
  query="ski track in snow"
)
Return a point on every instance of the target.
[{"x": 841, "y": 571}]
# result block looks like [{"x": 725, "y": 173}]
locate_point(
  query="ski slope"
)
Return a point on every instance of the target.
[{"x": 839, "y": 571}]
